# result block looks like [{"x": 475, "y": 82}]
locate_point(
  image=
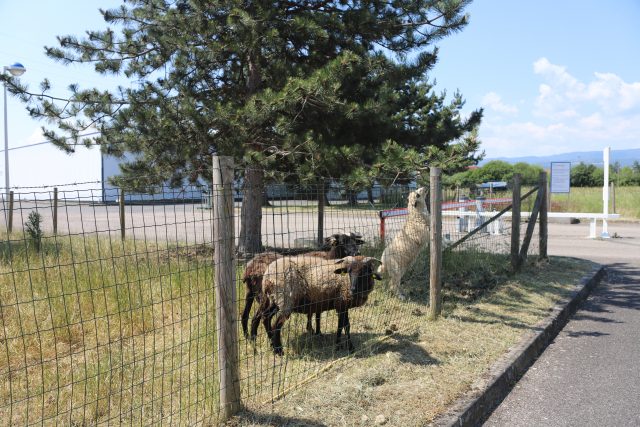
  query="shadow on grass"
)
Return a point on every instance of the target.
[
  {"x": 323, "y": 348},
  {"x": 262, "y": 418},
  {"x": 498, "y": 319},
  {"x": 12, "y": 249}
]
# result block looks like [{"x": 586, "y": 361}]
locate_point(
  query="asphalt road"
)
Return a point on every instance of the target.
[{"x": 590, "y": 374}]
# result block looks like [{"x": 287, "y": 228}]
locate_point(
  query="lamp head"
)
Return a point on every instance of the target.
[{"x": 16, "y": 69}]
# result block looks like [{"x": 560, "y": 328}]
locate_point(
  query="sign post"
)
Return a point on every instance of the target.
[
  {"x": 560, "y": 177},
  {"x": 605, "y": 193},
  {"x": 560, "y": 180}
]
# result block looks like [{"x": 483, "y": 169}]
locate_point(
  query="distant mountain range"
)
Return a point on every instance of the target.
[{"x": 624, "y": 157}]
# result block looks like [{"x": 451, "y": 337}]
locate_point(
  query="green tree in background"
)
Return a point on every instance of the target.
[
  {"x": 324, "y": 86},
  {"x": 495, "y": 170},
  {"x": 583, "y": 175},
  {"x": 530, "y": 173}
]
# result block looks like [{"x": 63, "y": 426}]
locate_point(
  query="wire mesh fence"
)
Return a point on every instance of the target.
[{"x": 108, "y": 310}]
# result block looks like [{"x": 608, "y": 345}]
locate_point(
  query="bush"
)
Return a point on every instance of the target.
[{"x": 33, "y": 227}]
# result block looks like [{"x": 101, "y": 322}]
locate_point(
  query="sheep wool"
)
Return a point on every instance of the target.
[
  {"x": 312, "y": 285},
  {"x": 295, "y": 281},
  {"x": 336, "y": 246},
  {"x": 405, "y": 246}
]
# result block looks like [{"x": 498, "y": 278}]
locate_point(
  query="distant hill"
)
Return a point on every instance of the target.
[{"x": 624, "y": 157}]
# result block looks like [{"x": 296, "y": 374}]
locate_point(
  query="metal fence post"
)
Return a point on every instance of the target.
[
  {"x": 435, "y": 252},
  {"x": 544, "y": 229},
  {"x": 515, "y": 222},
  {"x": 225, "y": 289}
]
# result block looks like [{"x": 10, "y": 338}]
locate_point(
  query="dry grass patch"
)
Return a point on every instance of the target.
[
  {"x": 415, "y": 374},
  {"x": 96, "y": 330}
]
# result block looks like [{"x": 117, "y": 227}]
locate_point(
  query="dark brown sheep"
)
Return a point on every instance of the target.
[
  {"x": 311, "y": 284},
  {"x": 335, "y": 246}
]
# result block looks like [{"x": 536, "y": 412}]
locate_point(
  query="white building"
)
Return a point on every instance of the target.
[{"x": 110, "y": 193}]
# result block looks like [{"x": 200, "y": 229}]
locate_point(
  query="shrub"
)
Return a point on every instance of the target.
[{"x": 33, "y": 227}]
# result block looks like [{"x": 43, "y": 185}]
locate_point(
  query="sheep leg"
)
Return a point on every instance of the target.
[
  {"x": 260, "y": 314},
  {"x": 276, "y": 340},
  {"x": 247, "y": 309},
  {"x": 318, "y": 314},
  {"x": 343, "y": 323},
  {"x": 347, "y": 331},
  {"x": 309, "y": 327},
  {"x": 340, "y": 326},
  {"x": 395, "y": 278},
  {"x": 266, "y": 319}
]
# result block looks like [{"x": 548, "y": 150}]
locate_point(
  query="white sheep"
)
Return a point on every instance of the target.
[
  {"x": 406, "y": 245},
  {"x": 312, "y": 285}
]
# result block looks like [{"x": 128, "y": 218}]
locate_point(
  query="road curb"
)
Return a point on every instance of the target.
[{"x": 475, "y": 407}]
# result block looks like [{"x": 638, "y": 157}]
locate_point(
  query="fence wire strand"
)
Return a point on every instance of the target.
[{"x": 102, "y": 325}]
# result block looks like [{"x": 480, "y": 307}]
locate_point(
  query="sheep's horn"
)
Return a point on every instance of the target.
[
  {"x": 369, "y": 259},
  {"x": 345, "y": 259}
]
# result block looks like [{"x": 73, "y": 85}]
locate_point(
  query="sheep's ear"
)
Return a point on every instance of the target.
[
  {"x": 331, "y": 240},
  {"x": 376, "y": 276},
  {"x": 357, "y": 237},
  {"x": 341, "y": 270},
  {"x": 415, "y": 204}
]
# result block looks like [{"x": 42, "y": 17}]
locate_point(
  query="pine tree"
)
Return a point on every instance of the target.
[{"x": 262, "y": 81}]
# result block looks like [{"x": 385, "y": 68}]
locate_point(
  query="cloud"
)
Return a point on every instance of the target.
[
  {"x": 563, "y": 92},
  {"x": 587, "y": 133},
  {"x": 567, "y": 114},
  {"x": 494, "y": 102}
]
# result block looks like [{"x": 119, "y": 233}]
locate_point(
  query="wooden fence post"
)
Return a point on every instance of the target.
[
  {"x": 10, "y": 213},
  {"x": 122, "y": 218},
  {"x": 224, "y": 285},
  {"x": 516, "y": 205},
  {"x": 544, "y": 229},
  {"x": 321, "y": 193},
  {"x": 530, "y": 227},
  {"x": 55, "y": 210},
  {"x": 435, "y": 241}
]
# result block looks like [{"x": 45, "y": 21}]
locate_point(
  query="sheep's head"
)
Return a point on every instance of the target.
[
  {"x": 419, "y": 201},
  {"x": 362, "y": 272},
  {"x": 344, "y": 244}
]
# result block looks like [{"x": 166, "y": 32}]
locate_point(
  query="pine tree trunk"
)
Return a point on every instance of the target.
[
  {"x": 265, "y": 199},
  {"x": 323, "y": 189},
  {"x": 352, "y": 197},
  {"x": 370, "y": 195},
  {"x": 326, "y": 198},
  {"x": 253, "y": 194},
  {"x": 251, "y": 213}
]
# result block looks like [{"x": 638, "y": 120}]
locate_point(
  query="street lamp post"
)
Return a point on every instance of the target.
[{"x": 15, "y": 70}]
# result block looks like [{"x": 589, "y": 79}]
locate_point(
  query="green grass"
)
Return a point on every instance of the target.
[
  {"x": 420, "y": 370},
  {"x": 627, "y": 201},
  {"x": 94, "y": 330}
]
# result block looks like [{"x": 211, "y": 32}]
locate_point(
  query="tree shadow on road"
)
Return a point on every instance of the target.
[{"x": 620, "y": 289}]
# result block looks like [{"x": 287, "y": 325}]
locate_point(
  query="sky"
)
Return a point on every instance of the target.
[{"x": 552, "y": 76}]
